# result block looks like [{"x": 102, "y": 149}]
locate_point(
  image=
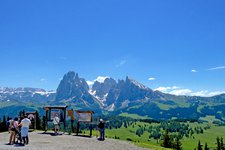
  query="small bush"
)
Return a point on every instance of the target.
[{"x": 128, "y": 139}]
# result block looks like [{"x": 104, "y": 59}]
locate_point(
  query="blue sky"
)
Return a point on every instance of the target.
[{"x": 174, "y": 46}]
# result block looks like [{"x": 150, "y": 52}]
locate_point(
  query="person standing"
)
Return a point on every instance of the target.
[
  {"x": 9, "y": 124},
  {"x": 13, "y": 129},
  {"x": 101, "y": 128},
  {"x": 56, "y": 121},
  {"x": 25, "y": 123}
]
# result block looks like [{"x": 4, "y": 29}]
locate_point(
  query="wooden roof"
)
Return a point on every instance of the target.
[
  {"x": 55, "y": 107},
  {"x": 85, "y": 111}
]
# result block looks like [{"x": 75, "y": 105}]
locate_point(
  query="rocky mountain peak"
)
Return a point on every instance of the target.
[
  {"x": 71, "y": 85},
  {"x": 133, "y": 82},
  {"x": 101, "y": 90}
]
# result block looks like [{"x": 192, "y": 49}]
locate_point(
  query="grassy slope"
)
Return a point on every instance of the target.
[
  {"x": 134, "y": 116},
  {"x": 209, "y": 136},
  {"x": 130, "y": 132},
  {"x": 209, "y": 119},
  {"x": 164, "y": 106}
]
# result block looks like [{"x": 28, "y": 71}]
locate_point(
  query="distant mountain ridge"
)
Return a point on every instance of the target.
[
  {"x": 26, "y": 94},
  {"x": 117, "y": 97}
]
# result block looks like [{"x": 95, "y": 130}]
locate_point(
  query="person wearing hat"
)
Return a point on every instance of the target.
[{"x": 101, "y": 128}]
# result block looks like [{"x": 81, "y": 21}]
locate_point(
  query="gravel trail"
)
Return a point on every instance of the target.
[{"x": 40, "y": 141}]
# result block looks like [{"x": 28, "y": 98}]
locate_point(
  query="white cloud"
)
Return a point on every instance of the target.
[
  {"x": 90, "y": 83},
  {"x": 182, "y": 91},
  {"x": 151, "y": 78},
  {"x": 193, "y": 70},
  {"x": 217, "y": 68},
  {"x": 121, "y": 63},
  {"x": 43, "y": 80},
  {"x": 207, "y": 93},
  {"x": 100, "y": 79},
  {"x": 166, "y": 89}
]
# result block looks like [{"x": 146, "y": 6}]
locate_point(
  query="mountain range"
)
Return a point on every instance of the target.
[{"x": 123, "y": 97}]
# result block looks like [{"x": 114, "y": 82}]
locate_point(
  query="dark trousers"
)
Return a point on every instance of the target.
[
  {"x": 25, "y": 140},
  {"x": 102, "y": 134}
]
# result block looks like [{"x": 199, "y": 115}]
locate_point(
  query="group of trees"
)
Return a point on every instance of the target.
[
  {"x": 176, "y": 129},
  {"x": 3, "y": 124},
  {"x": 219, "y": 145},
  {"x": 168, "y": 142}
]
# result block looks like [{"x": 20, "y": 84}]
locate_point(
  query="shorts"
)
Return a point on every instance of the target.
[{"x": 57, "y": 126}]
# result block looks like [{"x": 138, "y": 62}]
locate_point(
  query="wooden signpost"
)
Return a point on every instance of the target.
[
  {"x": 84, "y": 117},
  {"x": 51, "y": 111},
  {"x": 71, "y": 115},
  {"x": 33, "y": 118}
]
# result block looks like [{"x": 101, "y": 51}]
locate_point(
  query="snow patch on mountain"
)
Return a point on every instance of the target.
[
  {"x": 111, "y": 107},
  {"x": 138, "y": 84},
  {"x": 102, "y": 100},
  {"x": 125, "y": 104}
]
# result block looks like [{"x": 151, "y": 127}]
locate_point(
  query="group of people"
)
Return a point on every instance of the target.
[
  {"x": 21, "y": 127},
  {"x": 101, "y": 127}
]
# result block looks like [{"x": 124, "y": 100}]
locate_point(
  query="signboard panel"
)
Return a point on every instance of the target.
[
  {"x": 31, "y": 117},
  {"x": 53, "y": 113},
  {"x": 84, "y": 117}
]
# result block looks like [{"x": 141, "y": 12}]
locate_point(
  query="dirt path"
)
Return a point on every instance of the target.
[{"x": 40, "y": 141}]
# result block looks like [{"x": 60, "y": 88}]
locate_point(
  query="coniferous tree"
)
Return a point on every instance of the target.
[
  {"x": 20, "y": 114},
  {"x": 206, "y": 146},
  {"x": 199, "y": 145},
  {"x": 221, "y": 144},
  {"x": 38, "y": 121},
  {"x": 218, "y": 144},
  {"x": 166, "y": 140},
  {"x": 43, "y": 122},
  {"x": 3, "y": 124},
  {"x": 125, "y": 124},
  {"x": 23, "y": 113},
  {"x": 177, "y": 144}
]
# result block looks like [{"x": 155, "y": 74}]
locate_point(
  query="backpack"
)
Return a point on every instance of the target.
[{"x": 12, "y": 127}]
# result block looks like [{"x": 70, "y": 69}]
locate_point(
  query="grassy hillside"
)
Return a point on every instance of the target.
[
  {"x": 133, "y": 116},
  {"x": 129, "y": 134},
  {"x": 209, "y": 135}
]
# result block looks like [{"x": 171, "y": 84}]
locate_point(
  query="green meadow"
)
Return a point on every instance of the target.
[
  {"x": 188, "y": 143},
  {"x": 208, "y": 136}
]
